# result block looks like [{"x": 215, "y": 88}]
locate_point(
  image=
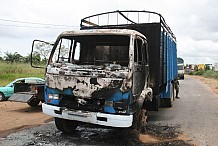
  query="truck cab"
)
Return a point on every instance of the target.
[
  {"x": 181, "y": 67},
  {"x": 97, "y": 76}
]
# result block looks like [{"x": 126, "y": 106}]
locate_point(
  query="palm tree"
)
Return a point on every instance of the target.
[{"x": 12, "y": 57}]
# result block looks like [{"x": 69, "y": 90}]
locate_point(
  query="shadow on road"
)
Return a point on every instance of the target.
[{"x": 28, "y": 109}]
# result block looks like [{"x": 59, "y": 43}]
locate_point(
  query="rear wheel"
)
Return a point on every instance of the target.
[
  {"x": 66, "y": 126},
  {"x": 2, "y": 96},
  {"x": 168, "y": 102}
]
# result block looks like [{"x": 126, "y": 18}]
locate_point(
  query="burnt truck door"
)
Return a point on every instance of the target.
[{"x": 140, "y": 67}]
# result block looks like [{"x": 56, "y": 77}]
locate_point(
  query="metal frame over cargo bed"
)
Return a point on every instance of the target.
[{"x": 161, "y": 41}]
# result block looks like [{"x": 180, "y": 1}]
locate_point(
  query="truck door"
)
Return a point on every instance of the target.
[{"x": 140, "y": 68}]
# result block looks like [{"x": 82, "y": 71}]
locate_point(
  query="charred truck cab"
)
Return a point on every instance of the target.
[
  {"x": 109, "y": 74},
  {"x": 100, "y": 78}
]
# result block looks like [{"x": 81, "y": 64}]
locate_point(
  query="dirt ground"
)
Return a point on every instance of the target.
[{"x": 16, "y": 116}]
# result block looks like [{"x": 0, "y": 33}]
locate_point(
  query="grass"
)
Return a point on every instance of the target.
[
  {"x": 206, "y": 73},
  {"x": 10, "y": 72}
]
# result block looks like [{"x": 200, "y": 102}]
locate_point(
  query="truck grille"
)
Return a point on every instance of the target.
[{"x": 72, "y": 102}]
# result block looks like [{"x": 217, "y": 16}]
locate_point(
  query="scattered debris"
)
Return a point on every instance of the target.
[{"x": 155, "y": 135}]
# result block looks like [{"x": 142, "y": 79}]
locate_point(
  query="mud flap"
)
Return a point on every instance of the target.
[{"x": 19, "y": 97}]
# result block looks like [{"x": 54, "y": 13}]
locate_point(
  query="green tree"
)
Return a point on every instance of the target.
[
  {"x": 43, "y": 50},
  {"x": 36, "y": 59},
  {"x": 12, "y": 57},
  {"x": 26, "y": 59}
]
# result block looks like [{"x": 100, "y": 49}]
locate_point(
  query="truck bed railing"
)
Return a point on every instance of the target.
[{"x": 124, "y": 18}]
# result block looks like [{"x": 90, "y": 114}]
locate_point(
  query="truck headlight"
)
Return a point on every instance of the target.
[
  {"x": 53, "y": 96},
  {"x": 115, "y": 107},
  {"x": 109, "y": 103}
]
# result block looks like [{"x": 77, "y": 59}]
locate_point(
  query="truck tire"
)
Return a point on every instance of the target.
[
  {"x": 66, "y": 126},
  {"x": 154, "y": 104},
  {"x": 168, "y": 102},
  {"x": 140, "y": 121},
  {"x": 34, "y": 102},
  {"x": 2, "y": 96}
]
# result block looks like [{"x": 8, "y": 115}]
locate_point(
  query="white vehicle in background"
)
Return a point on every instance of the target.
[
  {"x": 180, "y": 66},
  {"x": 216, "y": 66}
]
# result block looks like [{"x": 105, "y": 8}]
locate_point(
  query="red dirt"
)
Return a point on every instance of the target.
[{"x": 17, "y": 116}]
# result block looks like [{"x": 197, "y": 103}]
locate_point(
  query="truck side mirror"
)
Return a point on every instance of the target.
[{"x": 40, "y": 53}]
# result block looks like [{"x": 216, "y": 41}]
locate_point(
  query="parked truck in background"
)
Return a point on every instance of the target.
[
  {"x": 215, "y": 66},
  {"x": 181, "y": 67},
  {"x": 201, "y": 66},
  {"x": 110, "y": 73}
]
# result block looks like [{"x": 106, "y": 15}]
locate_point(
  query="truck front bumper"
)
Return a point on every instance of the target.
[{"x": 88, "y": 117}]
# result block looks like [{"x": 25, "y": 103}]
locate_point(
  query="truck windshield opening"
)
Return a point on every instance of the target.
[{"x": 92, "y": 50}]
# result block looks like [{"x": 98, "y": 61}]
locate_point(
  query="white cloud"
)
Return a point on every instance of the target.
[
  {"x": 197, "y": 52},
  {"x": 192, "y": 21}
]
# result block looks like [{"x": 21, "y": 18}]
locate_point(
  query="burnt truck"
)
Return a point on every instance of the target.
[{"x": 111, "y": 72}]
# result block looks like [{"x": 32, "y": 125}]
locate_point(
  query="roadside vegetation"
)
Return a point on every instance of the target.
[
  {"x": 205, "y": 73},
  {"x": 12, "y": 71},
  {"x": 14, "y": 65}
]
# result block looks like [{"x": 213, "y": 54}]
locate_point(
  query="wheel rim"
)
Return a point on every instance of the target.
[{"x": 1, "y": 97}]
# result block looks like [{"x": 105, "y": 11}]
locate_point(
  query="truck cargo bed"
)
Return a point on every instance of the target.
[{"x": 21, "y": 97}]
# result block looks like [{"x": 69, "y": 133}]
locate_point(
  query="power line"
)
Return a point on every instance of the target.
[
  {"x": 26, "y": 22},
  {"x": 42, "y": 25}
]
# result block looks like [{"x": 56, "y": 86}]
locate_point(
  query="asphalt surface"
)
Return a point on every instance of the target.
[
  {"x": 199, "y": 117},
  {"x": 193, "y": 120},
  {"x": 196, "y": 112}
]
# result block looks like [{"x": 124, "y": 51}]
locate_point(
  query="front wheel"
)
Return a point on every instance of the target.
[
  {"x": 66, "y": 126},
  {"x": 140, "y": 120},
  {"x": 2, "y": 96}
]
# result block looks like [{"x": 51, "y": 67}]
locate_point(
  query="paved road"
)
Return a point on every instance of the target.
[
  {"x": 196, "y": 112},
  {"x": 195, "y": 115}
]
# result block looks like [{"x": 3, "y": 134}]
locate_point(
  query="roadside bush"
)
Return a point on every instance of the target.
[
  {"x": 210, "y": 73},
  {"x": 12, "y": 71},
  {"x": 191, "y": 73},
  {"x": 205, "y": 73},
  {"x": 199, "y": 72}
]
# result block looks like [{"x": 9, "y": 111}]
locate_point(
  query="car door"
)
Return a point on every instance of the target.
[
  {"x": 140, "y": 71},
  {"x": 9, "y": 90}
]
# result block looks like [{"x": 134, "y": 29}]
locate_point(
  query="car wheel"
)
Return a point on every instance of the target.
[
  {"x": 2, "y": 96},
  {"x": 34, "y": 102}
]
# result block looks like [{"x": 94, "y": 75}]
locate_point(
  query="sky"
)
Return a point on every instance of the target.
[{"x": 194, "y": 22}]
